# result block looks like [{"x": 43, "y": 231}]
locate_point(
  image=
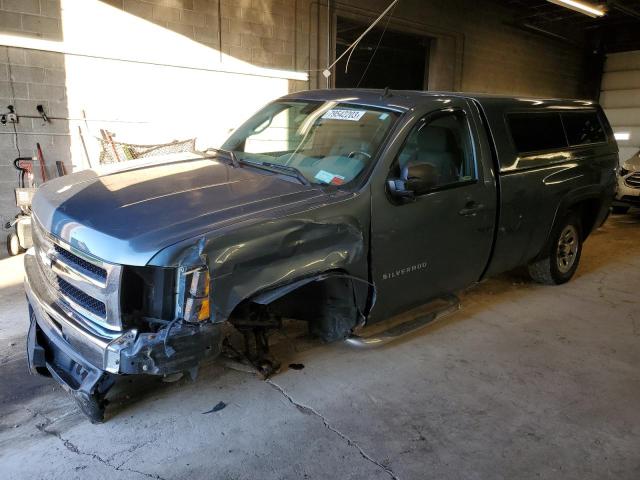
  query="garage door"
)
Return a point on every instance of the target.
[{"x": 620, "y": 98}]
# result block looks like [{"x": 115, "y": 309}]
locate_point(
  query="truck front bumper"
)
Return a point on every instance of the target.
[{"x": 86, "y": 361}]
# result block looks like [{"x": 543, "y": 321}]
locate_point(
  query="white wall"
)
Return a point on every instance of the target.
[
  {"x": 147, "y": 72},
  {"x": 620, "y": 98}
]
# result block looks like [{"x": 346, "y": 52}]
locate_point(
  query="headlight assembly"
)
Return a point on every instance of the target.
[{"x": 195, "y": 295}]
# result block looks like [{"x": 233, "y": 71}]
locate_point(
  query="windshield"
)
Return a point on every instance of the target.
[{"x": 327, "y": 142}]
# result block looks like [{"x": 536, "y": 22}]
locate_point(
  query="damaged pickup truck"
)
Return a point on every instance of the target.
[{"x": 340, "y": 208}]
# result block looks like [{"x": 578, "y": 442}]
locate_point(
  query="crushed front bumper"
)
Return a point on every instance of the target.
[{"x": 86, "y": 359}]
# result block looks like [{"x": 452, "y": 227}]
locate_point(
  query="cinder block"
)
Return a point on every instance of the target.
[
  {"x": 4, "y": 73},
  {"x": 50, "y": 8},
  {"x": 28, "y": 107},
  {"x": 12, "y": 55},
  {"x": 13, "y": 90},
  {"x": 182, "y": 4},
  {"x": 252, "y": 15},
  {"x": 50, "y": 127},
  {"x": 281, "y": 33},
  {"x": 205, "y": 6},
  {"x": 54, "y": 93},
  {"x": 138, "y": 8},
  {"x": 182, "y": 29},
  {"x": 49, "y": 28},
  {"x": 20, "y": 73},
  {"x": 37, "y": 58},
  {"x": 231, "y": 39},
  {"x": 192, "y": 18},
  {"x": 115, "y": 3},
  {"x": 212, "y": 20},
  {"x": 10, "y": 21},
  {"x": 273, "y": 19},
  {"x": 262, "y": 57},
  {"x": 54, "y": 76},
  {"x": 205, "y": 34},
  {"x": 22, "y": 6},
  {"x": 282, "y": 60},
  {"x": 166, "y": 14},
  {"x": 239, "y": 26},
  {"x": 236, "y": 3},
  {"x": 240, "y": 53},
  {"x": 272, "y": 45},
  {"x": 58, "y": 109},
  {"x": 249, "y": 41}
]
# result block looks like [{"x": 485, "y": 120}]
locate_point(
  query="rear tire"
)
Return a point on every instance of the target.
[
  {"x": 13, "y": 245},
  {"x": 562, "y": 260},
  {"x": 620, "y": 209}
]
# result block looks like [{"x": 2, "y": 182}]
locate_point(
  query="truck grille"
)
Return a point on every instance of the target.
[
  {"x": 633, "y": 180},
  {"x": 85, "y": 301},
  {"x": 87, "y": 286},
  {"x": 81, "y": 263}
]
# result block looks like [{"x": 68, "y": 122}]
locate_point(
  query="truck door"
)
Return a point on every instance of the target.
[{"x": 439, "y": 241}]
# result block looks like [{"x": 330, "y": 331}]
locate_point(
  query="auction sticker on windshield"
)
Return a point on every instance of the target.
[
  {"x": 343, "y": 114},
  {"x": 330, "y": 178}
]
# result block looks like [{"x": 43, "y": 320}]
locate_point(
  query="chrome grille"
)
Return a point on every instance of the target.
[
  {"x": 81, "y": 263},
  {"x": 85, "y": 301},
  {"x": 86, "y": 285},
  {"x": 633, "y": 180}
]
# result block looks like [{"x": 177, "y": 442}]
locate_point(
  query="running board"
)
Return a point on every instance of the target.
[{"x": 428, "y": 314}]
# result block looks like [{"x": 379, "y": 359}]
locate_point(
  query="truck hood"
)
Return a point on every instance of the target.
[{"x": 125, "y": 216}]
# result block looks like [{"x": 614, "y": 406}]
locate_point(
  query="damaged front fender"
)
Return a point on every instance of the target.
[{"x": 260, "y": 255}]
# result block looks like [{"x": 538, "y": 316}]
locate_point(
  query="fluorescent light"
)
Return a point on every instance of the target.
[
  {"x": 622, "y": 136},
  {"x": 591, "y": 10}
]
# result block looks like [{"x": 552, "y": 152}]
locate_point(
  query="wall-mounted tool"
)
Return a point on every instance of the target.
[
  {"x": 10, "y": 116},
  {"x": 43, "y": 172},
  {"x": 44, "y": 116}
]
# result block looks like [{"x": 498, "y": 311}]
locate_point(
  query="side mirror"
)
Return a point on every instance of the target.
[
  {"x": 414, "y": 180},
  {"x": 398, "y": 189}
]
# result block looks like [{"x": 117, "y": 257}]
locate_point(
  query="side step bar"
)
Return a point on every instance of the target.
[{"x": 424, "y": 316}]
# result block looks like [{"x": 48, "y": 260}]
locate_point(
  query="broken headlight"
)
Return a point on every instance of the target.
[{"x": 195, "y": 295}]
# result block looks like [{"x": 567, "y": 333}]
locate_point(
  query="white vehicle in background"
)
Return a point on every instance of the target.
[{"x": 628, "y": 185}]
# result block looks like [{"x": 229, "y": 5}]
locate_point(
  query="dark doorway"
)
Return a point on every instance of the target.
[{"x": 396, "y": 60}]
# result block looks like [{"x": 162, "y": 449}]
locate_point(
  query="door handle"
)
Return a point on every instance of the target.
[{"x": 471, "y": 209}]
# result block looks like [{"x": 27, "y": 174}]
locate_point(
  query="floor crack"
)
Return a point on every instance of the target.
[
  {"x": 69, "y": 445},
  {"x": 311, "y": 411}
]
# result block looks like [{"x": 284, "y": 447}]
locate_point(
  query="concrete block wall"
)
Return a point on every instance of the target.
[
  {"x": 258, "y": 31},
  {"x": 29, "y": 78},
  {"x": 134, "y": 67},
  {"x": 478, "y": 51}
]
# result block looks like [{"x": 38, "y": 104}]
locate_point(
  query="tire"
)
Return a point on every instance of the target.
[
  {"x": 562, "y": 260},
  {"x": 13, "y": 245},
  {"x": 620, "y": 209}
]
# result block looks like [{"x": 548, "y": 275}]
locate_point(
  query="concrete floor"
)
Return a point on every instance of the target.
[{"x": 526, "y": 381}]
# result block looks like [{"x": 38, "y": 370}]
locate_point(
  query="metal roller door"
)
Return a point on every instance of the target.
[{"x": 620, "y": 98}]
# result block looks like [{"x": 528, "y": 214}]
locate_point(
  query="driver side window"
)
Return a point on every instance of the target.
[{"x": 443, "y": 147}]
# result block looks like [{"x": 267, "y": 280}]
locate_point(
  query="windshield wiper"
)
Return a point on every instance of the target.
[
  {"x": 291, "y": 171},
  {"x": 228, "y": 153}
]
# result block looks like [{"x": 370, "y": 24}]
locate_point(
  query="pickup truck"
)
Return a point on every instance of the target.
[{"x": 341, "y": 208}]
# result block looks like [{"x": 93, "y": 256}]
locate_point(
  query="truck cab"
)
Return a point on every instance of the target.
[{"x": 341, "y": 208}]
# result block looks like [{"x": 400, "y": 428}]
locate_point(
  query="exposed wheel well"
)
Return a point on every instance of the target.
[{"x": 328, "y": 305}]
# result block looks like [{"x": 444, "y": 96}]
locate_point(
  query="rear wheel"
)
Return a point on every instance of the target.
[
  {"x": 620, "y": 209},
  {"x": 563, "y": 257},
  {"x": 13, "y": 245}
]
